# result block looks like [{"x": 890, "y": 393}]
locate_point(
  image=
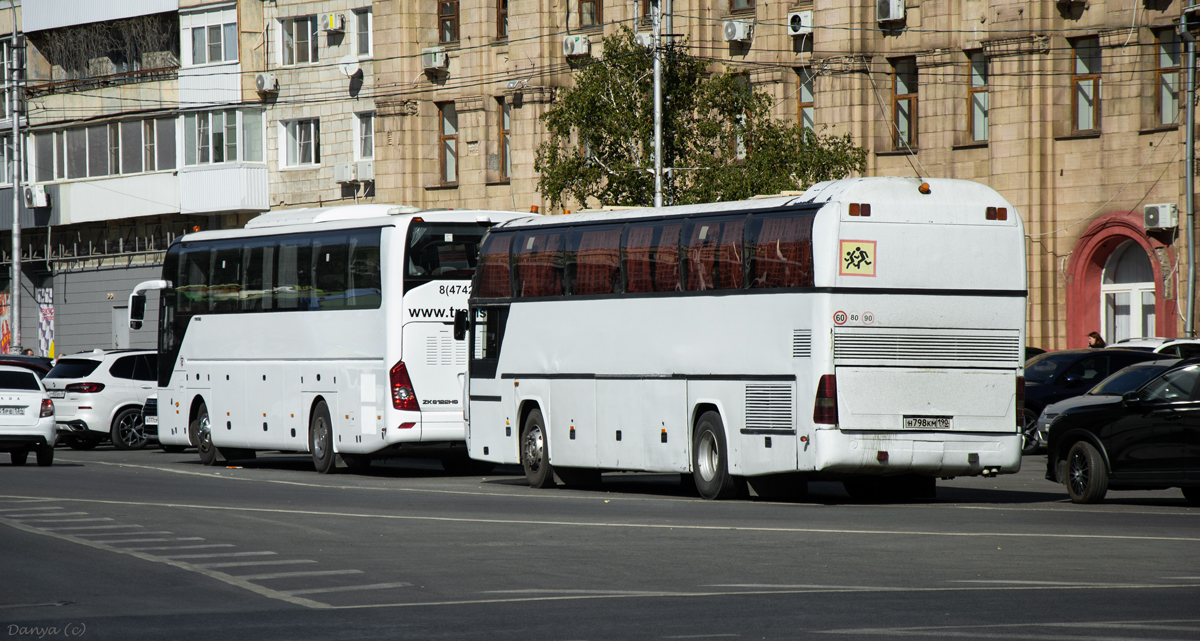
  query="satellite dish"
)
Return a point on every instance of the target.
[{"x": 348, "y": 65}]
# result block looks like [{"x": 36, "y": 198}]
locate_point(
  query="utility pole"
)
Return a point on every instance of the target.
[
  {"x": 14, "y": 112},
  {"x": 1188, "y": 23},
  {"x": 658, "y": 156}
]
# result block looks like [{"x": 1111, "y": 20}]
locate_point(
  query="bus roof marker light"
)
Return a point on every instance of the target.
[
  {"x": 1001, "y": 213},
  {"x": 924, "y": 189},
  {"x": 990, "y": 214},
  {"x": 533, "y": 209},
  {"x": 865, "y": 210},
  {"x": 853, "y": 209},
  {"x": 881, "y": 456}
]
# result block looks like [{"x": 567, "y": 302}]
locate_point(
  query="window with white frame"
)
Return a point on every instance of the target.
[
  {"x": 366, "y": 136},
  {"x": 362, "y": 31},
  {"x": 222, "y": 136},
  {"x": 301, "y": 142},
  {"x": 299, "y": 44},
  {"x": 209, "y": 37},
  {"x": 5, "y": 154},
  {"x": 117, "y": 148}
]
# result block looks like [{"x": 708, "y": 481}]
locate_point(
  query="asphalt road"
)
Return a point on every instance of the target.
[{"x": 148, "y": 545}]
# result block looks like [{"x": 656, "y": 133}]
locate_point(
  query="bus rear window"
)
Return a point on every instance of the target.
[{"x": 441, "y": 251}]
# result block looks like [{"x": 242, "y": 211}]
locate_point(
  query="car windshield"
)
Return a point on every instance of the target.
[
  {"x": 1045, "y": 367},
  {"x": 1129, "y": 379},
  {"x": 73, "y": 368},
  {"x": 23, "y": 381}
]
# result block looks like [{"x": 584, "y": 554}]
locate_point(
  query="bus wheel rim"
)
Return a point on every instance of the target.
[
  {"x": 533, "y": 449},
  {"x": 319, "y": 438},
  {"x": 204, "y": 434},
  {"x": 709, "y": 457}
]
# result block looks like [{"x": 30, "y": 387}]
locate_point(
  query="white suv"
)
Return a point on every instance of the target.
[
  {"x": 1176, "y": 347},
  {"x": 100, "y": 394}
]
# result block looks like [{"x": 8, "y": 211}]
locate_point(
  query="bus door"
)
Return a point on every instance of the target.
[{"x": 492, "y": 423}]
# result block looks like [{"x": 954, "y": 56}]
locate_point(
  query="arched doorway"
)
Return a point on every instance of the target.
[{"x": 1127, "y": 294}]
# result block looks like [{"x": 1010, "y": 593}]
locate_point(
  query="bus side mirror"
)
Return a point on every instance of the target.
[
  {"x": 137, "y": 311},
  {"x": 461, "y": 324}
]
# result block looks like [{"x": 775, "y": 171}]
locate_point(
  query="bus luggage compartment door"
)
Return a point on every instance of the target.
[{"x": 921, "y": 399}]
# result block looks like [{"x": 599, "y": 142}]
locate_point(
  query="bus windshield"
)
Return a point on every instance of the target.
[{"x": 441, "y": 251}]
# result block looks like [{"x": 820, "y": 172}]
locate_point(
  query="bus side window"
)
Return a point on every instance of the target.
[
  {"x": 226, "y": 283},
  {"x": 487, "y": 332},
  {"x": 292, "y": 287},
  {"x": 364, "y": 289},
  {"x": 493, "y": 278},
  {"x": 714, "y": 251},
  {"x": 651, "y": 257},
  {"x": 258, "y": 271},
  {"x": 538, "y": 263},
  {"x": 192, "y": 288},
  {"x": 329, "y": 271},
  {"x": 593, "y": 260},
  {"x": 779, "y": 249}
]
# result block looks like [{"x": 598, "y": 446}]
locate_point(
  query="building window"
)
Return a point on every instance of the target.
[
  {"x": 362, "y": 30},
  {"x": 213, "y": 36},
  {"x": 740, "y": 5},
  {"x": 299, "y": 40},
  {"x": 119, "y": 148},
  {"x": 590, "y": 13},
  {"x": 977, "y": 97},
  {"x": 805, "y": 77},
  {"x": 1166, "y": 78},
  {"x": 505, "y": 139},
  {"x": 448, "y": 142},
  {"x": 647, "y": 10},
  {"x": 904, "y": 103},
  {"x": 302, "y": 139},
  {"x": 502, "y": 19},
  {"x": 5, "y": 154},
  {"x": 1127, "y": 292},
  {"x": 1085, "y": 82},
  {"x": 7, "y": 75},
  {"x": 448, "y": 21},
  {"x": 211, "y": 137},
  {"x": 366, "y": 136},
  {"x": 252, "y": 135}
]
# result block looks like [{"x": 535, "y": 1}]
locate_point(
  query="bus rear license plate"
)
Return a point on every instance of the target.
[{"x": 928, "y": 422}]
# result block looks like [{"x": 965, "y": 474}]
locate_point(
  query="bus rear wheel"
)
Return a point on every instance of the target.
[
  {"x": 200, "y": 431},
  {"x": 535, "y": 457},
  {"x": 320, "y": 439},
  {"x": 710, "y": 460}
]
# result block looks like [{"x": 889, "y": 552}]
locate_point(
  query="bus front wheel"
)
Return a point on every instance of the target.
[
  {"x": 200, "y": 432},
  {"x": 320, "y": 439},
  {"x": 710, "y": 459},
  {"x": 535, "y": 457}
]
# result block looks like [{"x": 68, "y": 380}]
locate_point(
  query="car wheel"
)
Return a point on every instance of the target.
[
  {"x": 172, "y": 449},
  {"x": 200, "y": 431},
  {"x": 1029, "y": 438},
  {"x": 1087, "y": 478},
  {"x": 320, "y": 439},
  {"x": 710, "y": 460},
  {"x": 45, "y": 456},
  {"x": 535, "y": 456},
  {"x": 1192, "y": 494},
  {"x": 83, "y": 442},
  {"x": 19, "y": 456},
  {"x": 128, "y": 432}
]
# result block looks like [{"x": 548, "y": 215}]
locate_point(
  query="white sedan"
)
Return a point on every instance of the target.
[{"x": 26, "y": 417}]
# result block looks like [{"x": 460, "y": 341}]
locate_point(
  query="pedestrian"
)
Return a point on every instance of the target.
[
  {"x": 1094, "y": 340},
  {"x": 28, "y": 352}
]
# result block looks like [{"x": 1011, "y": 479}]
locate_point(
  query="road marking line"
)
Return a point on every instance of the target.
[
  {"x": 32, "y": 517},
  {"x": 219, "y": 555},
  {"x": 985, "y": 581},
  {"x": 703, "y": 636},
  {"x": 795, "y": 587},
  {"x": 26, "y": 500},
  {"x": 240, "y": 564},
  {"x": 286, "y": 575},
  {"x": 117, "y": 534},
  {"x": 89, "y": 527},
  {"x": 220, "y": 576},
  {"x": 60, "y": 520},
  {"x": 351, "y": 588},
  {"x": 181, "y": 547},
  {"x": 951, "y": 630},
  {"x": 55, "y": 604},
  {"x": 178, "y": 538},
  {"x": 598, "y": 592},
  {"x": 27, "y": 509},
  {"x": 649, "y": 526}
]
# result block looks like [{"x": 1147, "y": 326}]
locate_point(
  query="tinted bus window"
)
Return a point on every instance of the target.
[
  {"x": 192, "y": 283},
  {"x": 538, "y": 264},
  {"x": 441, "y": 251},
  {"x": 652, "y": 258},
  {"x": 293, "y": 286},
  {"x": 258, "y": 270},
  {"x": 494, "y": 271},
  {"x": 713, "y": 247},
  {"x": 364, "y": 286},
  {"x": 779, "y": 247},
  {"x": 225, "y": 285},
  {"x": 593, "y": 260},
  {"x": 329, "y": 271}
]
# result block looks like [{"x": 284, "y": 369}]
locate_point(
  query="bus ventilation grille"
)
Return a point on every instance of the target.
[
  {"x": 442, "y": 349},
  {"x": 801, "y": 343},
  {"x": 769, "y": 407},
  {"x": 927, "y": 346}
]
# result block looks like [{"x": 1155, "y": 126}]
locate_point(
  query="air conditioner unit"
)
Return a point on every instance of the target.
[
  {"x": 1162, "y": 216},
  {"x": 344, "y": 172},
  {"x": 266, "y": 83},
  {"x": 889, "y": 10},
  {"x": 577, "y": 45},
  {"x": 644, "y": 40},
  {"x": 333, "y": 22},
  {"x": 35, "y": 196},
  {"x": 738, "y": 30},
  {"x": 800, "y": 23},
  {"x": 366, "y": 171},
  {"x": 435, "y": 59}
]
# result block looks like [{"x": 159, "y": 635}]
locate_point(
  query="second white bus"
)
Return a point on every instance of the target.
[
  {"x": 869, "y": 331},
  {"x": 327, "y": 331}
]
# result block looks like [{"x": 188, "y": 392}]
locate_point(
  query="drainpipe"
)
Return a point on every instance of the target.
[
  {"x": 14, "y": 112},
  {"x": 1189, "y": 326}
]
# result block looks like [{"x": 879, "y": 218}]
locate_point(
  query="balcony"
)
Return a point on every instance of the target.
[
  {"x": 206, "y": 85},
  {"x": 224, "y": 188}
]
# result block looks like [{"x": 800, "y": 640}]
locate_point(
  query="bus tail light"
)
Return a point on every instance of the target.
[
  {"x": 403, "y": 397},
  {"x": 825, "y": 407},
  {"x": 85, "y": 388},
  {"x": 1020, "y": 401},
  {"x": 47, "y": 408}
]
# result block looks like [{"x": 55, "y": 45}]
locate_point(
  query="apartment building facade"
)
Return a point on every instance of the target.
[{"x": 1071, "y": 110}]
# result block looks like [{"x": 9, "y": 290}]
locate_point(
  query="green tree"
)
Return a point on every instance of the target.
[{"x": 718, "y": 135}]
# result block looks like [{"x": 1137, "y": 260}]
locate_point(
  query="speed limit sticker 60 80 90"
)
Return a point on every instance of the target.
[{"x": 839, "y": 318}]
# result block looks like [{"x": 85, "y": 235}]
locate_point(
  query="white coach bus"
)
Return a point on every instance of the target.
[
  {"x": 869, "y": 331},
  {"x": 328, "y": 331}
]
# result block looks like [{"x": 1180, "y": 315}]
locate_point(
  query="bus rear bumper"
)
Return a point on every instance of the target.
[{"x": 941, "y": 454}]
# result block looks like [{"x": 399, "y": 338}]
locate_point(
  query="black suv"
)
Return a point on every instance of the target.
[{"x": 1146, "y": 439}]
